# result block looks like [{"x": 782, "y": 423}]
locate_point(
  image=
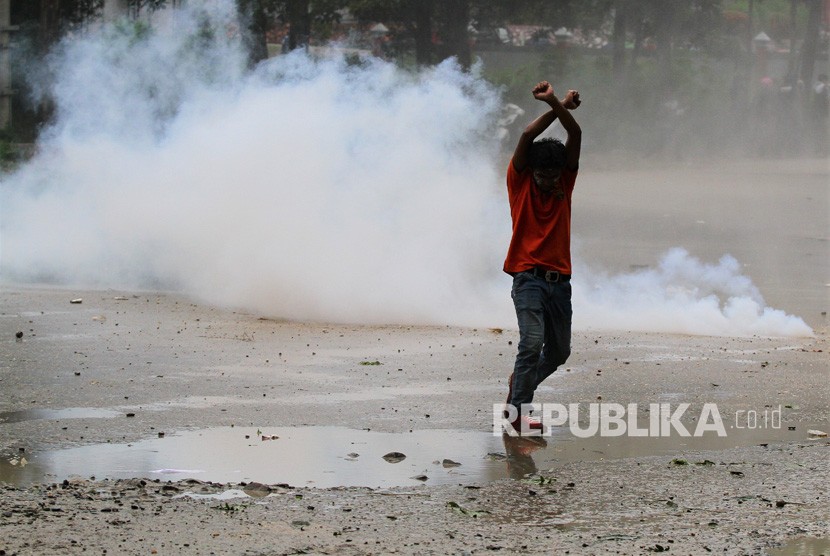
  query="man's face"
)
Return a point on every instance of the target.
[{"x": 547, "y": 179}]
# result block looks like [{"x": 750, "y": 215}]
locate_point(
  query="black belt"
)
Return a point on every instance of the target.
[{"x": 549, "y": 275}]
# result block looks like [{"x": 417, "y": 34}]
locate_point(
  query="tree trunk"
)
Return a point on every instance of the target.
[
  {"x": 637, "y": 17},
  {"x": 809, "y": 48},
  {"x": 423, "y": 32},
  {"x": 5, "y": 65},
  {"x": 666, "y": 17},
  {"x": 299, "y": 32},
  {"x": 253, "y": 18},
  {"x": 457, "y": 39},
  {"x": 50, "y": 24},
  {"x": 618, "y": 63},
  {"x": 792, "y": 59}
]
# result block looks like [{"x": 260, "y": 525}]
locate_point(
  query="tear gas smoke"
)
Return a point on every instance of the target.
[
  {"x": 683, "y": 294},
  {"x": 307, "y": 189}
]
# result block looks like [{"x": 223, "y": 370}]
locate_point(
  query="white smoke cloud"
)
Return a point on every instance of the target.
[
  {"x": 308, "y": 189},
  {"x": 681, "y": 295}
]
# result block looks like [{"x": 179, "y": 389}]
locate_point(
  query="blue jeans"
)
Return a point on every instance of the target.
[{"x": 544, "y": 312}]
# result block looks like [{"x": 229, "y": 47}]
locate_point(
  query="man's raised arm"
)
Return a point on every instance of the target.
[{"x": 559, "y": 109}]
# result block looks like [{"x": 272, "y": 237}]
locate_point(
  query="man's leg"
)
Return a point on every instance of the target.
[
  {"x": 558, "y": 315},
  {"x": 528, "y": 297}
]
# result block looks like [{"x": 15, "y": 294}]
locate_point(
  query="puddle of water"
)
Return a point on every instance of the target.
[
  {"x": 803, "y": 546},
  {"x": 57, "y": 414},
  {"x": 336, "y": 456}
]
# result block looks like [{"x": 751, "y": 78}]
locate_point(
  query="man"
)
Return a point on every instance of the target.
[{"x": 540, "y": 181}]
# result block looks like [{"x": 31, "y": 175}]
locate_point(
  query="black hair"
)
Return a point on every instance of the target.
[{"x": 547, "y": 154}]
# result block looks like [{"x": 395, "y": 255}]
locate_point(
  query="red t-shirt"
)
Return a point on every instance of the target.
[{"x": 541, "y": 223}]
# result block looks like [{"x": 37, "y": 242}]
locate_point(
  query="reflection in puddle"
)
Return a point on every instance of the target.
[
  {"x": 335, "y": 456},
  {"x": 57, "y": 414}
]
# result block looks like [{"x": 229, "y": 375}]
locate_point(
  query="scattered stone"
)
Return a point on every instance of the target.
[
  {"x": 394, "y": 457},
  {"x": 130, "y": 414},
  {"x": 450, "y": 463},
  {"x": 18, "y": 335},
  {"x": 76, "y": 301},
  {"x": 817, "y": 433},
  {"x": 257, "y": 490},
  {"x": 420, "y": 477},
  {"x": 269, "y": 437}
]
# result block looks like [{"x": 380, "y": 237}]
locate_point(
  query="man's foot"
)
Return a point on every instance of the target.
[{"x": 527, "y": 426}]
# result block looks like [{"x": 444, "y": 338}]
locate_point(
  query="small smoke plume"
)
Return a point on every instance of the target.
[
  {"x": 681, "y": 295},
  {"x": 307, "y": 189}
]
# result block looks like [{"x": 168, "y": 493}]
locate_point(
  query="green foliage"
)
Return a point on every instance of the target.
[
  {"x": 771, "y": 16},
  {"x": 133, "y": 30},
  {"x": 7, "y": 155}
]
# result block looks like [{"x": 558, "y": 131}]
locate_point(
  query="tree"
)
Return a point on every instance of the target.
[
  {"x": 810, "y": 46},
  {"x": 56, "y": 17},
  {"x": 412, "y": 19},
  {"x": 256, "y": 17},
  {"x": 618, "y": 40},
  {"x": 299, "y": 21},
  {"x": 455, "y": 30}
]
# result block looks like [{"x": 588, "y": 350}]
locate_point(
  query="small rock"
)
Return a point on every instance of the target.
[
  {"x": 18, "y": 335},
  {"x": 130, "y": 414},
  {"x": 257, "y": 490},
  {"x": 450, "y": 463},
  {"x": 76, "y": 301},
  {"x": 420, "y": 477},
  {"x": 394, "y": 457},
  {"x": 817, "y": 434}
]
